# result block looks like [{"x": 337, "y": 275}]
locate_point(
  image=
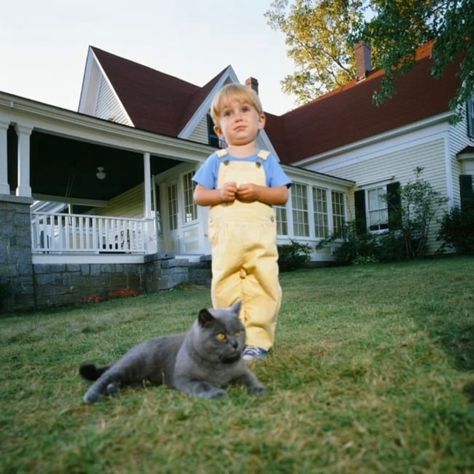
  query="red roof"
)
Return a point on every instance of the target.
[
  {"x": 154, "y": 101},
  {"x": 348, "y": 114},
  {"x": 164, "y": 104}
]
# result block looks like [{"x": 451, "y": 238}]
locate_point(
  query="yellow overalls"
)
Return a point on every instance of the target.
[{"x": 244, "y": 254}]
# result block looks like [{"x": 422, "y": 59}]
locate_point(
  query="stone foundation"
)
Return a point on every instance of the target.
[{"x": 24, "y": 286}]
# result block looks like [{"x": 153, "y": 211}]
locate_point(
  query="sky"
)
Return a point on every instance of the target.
[{"x": 43, "y": 45}]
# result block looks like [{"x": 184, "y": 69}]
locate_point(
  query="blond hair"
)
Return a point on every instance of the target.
[{"x": 238, "y": 92}]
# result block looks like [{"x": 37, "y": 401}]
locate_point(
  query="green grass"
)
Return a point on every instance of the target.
[{"x": 373, "y": 371}]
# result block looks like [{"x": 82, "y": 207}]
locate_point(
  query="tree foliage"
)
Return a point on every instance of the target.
[
  {"x": 321, "y": 35},
  {"x": 316, "y": 33},
  {"x": 400, "y": 26}
]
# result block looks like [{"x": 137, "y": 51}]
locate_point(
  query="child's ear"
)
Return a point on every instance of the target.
[
  {"x": 218, "y": 131},
  {"x": 261, "y": 121}
]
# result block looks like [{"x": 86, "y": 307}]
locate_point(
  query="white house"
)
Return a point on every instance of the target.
[{"x": 111, "y": 183}]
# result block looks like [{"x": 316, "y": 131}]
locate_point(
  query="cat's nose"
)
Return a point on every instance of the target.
[{"x": 234, "y": 344}]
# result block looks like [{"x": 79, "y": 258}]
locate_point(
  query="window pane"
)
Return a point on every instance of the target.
[
  {"x": 300, "y": 210},
  {"x": 338, "y": 211},
  {"x": 320, "y": 206},
  {"x": 190, "y": 209},
  {"x": 282, "y": 220},
  {"x": 173, "y": 206},
  {"x": 377, "y": 208}
]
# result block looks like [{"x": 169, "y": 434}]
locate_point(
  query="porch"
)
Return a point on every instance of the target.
[{"x": 79, "y": 235}]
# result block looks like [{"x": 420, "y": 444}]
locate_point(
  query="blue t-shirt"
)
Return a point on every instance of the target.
[{"x": 207, "y": 174}]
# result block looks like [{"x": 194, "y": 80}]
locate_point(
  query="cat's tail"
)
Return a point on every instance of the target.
[{"x": 91, "y": 372}]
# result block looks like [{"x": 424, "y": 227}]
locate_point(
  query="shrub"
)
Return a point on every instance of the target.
[
  {"x": 293, "y": 255},
  {"x": 419, "y": 204},
  {"x": 457, "y": 229}
]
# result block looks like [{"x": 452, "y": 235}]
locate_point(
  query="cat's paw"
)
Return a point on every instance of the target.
[
  {"x": 113, "y": 390},
  {"x": 91, "y": 397},
  {"x": 217, "y": 394}
]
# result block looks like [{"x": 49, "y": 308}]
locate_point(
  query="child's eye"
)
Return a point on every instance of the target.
[
  {"x": 221, "y": 337},
  {"x": 245, "y": 108}
]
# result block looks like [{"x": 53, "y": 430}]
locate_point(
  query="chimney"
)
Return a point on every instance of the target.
[
  {"x": 362, "y": 59},
  {"x": 252, "y": 83}
]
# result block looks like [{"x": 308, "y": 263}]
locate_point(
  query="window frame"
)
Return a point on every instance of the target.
[{"x": 381, "y": 201}]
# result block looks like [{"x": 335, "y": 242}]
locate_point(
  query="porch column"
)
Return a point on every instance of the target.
[
  {"x": 151, "y": 244},
  {"x": 147, "y": 183},
  {"x": 4, "y": 186},
  {"x": 24, "y": 133}
]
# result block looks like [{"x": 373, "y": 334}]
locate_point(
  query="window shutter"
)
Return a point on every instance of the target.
[
  {"x": 360, "y": 217},
  {"x": 465, "y": 189},
  {"x": 470, "y": 117},
  {"x": 394, "y": 206}
]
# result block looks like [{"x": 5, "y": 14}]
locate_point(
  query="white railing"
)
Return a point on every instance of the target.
[{"x": 77, "y": 233}]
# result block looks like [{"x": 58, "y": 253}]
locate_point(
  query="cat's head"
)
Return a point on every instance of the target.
[{"x": 221, "y": 333}]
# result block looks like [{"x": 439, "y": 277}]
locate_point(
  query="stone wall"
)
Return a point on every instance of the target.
[
  {"x": 16, "y": 271},
  {"x": 24, "y": 286}
]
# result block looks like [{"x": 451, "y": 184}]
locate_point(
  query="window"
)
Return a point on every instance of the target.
[
  {"x": 212, "y": 138},
  {"x": 377, "y": 211},
  {"x": 300, "y": 210},
  {"x": 320, "y": 213},
  {"x": 190, "y": 208},
  {"x": 338, "y": 212},
  {"x": 173, "y": 206},
  {"x": 282, "y": 220},
  {"x": 470, "y": 117}
]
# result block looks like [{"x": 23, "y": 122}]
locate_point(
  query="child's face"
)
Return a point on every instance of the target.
[{"x": 239, "y": 122}]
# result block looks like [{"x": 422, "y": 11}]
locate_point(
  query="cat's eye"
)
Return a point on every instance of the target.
[
  {"x": 221, "y": 337},
  {"x": 238, "y": 333}
]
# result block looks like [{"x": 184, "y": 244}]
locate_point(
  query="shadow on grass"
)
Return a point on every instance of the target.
[{"x": 455, "y": 335}]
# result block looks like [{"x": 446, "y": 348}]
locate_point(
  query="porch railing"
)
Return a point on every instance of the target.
[{"x": 77, "y": 233}]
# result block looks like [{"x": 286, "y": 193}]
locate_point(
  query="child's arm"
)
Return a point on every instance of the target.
[
  {"x": 210, "y": 197},
  {"x": 250, "y": 192}
]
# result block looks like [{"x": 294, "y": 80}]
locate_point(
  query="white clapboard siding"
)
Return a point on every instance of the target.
[
  {"x": 200, "y": 134},
  {"x": 458, "y": 140},
  {"x": 108, "y": 106},
  {"x": 399, "y": 166},
  {"x": 128, "y": 204}
]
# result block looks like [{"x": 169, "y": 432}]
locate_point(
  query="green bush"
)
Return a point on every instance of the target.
[
  {"x": 457, "y": 229},
  {"x": 293, "y": 255}
]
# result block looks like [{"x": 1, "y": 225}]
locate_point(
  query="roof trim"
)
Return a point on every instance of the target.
[
  {"x": 201, "y": 111},
  {"x": 93, "y": 59}
]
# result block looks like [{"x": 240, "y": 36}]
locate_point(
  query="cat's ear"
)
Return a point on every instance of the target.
[
  {"x": 205, "y": 318},
  {"x": 236, "y": 307}
]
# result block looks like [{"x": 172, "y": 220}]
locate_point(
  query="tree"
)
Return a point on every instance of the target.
[
  {"x": 316, "y": 33},
  {"x": 398, "y": 27},
  {"x": 321, "y": 35}
]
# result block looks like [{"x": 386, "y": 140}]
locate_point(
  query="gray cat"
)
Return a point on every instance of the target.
[{"x": 198, "y": 362}]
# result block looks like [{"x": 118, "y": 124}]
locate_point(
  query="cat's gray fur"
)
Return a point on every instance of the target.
[{"x": 196, "y": 362}]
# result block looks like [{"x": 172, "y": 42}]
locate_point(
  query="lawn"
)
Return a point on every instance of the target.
[{"x": 373, "y": 371}]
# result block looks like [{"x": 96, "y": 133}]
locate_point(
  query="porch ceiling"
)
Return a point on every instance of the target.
[{"x": 66, "y": 168}]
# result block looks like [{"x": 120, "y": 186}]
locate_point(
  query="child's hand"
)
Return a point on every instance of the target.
[
  {"x": 228, "y": 191},
  {"x": 248, "y": 192}
]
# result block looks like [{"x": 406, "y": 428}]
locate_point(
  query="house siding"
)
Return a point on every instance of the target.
[
  {"x": 128, "y": 204},
  {"x": 458, "y": 140},
  {"x": 398, "y": 165},
  {"x": 200, "y": 134},
  {"x": 108, "y": 107}
]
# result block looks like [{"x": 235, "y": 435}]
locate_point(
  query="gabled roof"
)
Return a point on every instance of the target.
[
  {"x": 164, "y": 104},
  {"x": 155, "y": 101},
  {"x": 348, "y": 114}
]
